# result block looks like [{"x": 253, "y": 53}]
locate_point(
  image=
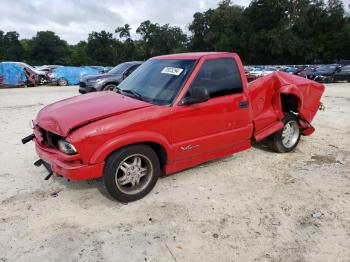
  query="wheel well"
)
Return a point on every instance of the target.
[
  {"x": 110, "y": 83},
  {"x": 290, "y": 103},
  {"x": 159, "y": 149}
]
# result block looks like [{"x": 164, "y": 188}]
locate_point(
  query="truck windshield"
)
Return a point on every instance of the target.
[{"x": 157, "y": 81}]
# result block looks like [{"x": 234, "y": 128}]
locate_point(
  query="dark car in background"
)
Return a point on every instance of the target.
[
  {"x": 295, "y": 70},
  {"x": 342, "y": 74},
  {"x": 324, "y": 74},
  {"x": 109, "y": 80},
  {"x": 308, "y": 70}
]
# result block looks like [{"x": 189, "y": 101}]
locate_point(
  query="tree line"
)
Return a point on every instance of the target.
[{"x": 265, "y": 32}]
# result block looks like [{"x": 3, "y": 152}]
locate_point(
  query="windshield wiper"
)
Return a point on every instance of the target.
[
  {"x": 133, "y": 93},
  {"x": 117, "y": 89}
]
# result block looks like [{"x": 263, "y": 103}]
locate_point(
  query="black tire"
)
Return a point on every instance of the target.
[
  {"x": 114, "y": 164},
  {"x": 41, "y": 80},
  {"x": 109, "y": 87},
  {"x": 62, "y": 82},
  {"x": 276, "y": 142},
  {"x": 331, "y": 79}
]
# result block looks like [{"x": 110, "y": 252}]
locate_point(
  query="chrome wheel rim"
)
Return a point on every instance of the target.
[
  {"x": 290, "y": 134},
  {"x": 62, "y": 82},
  {"x": 134, "y": 174}
]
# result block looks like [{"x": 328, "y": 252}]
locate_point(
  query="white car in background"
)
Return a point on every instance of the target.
[{"x": 259, "y": 72}]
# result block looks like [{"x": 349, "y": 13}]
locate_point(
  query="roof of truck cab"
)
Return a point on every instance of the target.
[{"x": 195, "y": 55}]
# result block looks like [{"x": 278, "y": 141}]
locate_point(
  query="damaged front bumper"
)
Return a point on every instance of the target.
[{"x": 68, "y": 166}]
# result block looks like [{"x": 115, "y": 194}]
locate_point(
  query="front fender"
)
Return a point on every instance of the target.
[{"x": 127, "y": 139}]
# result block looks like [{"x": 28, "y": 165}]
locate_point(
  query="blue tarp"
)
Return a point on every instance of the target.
[
  {"x": 13, "y": 74},
  {"x": 73, "y": 74}
]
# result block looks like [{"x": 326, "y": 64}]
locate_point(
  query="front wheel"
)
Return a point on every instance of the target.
[
  {"x": 109, "y": 87},
  {"x": 131, "y": 172},
  {"x": 288, "y": 138}
]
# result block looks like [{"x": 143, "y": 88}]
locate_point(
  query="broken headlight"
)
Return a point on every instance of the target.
[{"x": 66, "y": 147}]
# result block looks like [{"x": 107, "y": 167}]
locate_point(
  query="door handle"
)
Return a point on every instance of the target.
[{"x": 243, "y": 104}]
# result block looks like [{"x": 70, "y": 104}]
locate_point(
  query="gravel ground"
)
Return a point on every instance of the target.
[{"x": 252, "y": 206}]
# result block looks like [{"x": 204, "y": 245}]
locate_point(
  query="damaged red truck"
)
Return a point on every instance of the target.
[{"x": 172, "y": 113}]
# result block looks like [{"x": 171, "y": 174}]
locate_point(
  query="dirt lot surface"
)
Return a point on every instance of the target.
[{"x": 252, "y": 206}]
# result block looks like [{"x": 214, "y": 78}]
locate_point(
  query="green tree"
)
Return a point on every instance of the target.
[
  {"x": 79, "y": 55},
  {"x": 47, "y": 48},
  {"x": 158, "y": 40},
  {"x": 12, "y": 48},
  {"x": 103, "y": 49},
  {"x": 124, "y": 31},
  {"x": 2, "y": 48},
  {"x": 219, "y": 29}
]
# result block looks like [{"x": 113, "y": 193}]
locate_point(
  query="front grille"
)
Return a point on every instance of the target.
[
  {"x": 50, "y": 139},
  {"x": 82, "y": 84}
]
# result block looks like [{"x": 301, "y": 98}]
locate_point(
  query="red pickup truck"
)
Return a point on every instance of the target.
[{"x": 173, "y": 112}]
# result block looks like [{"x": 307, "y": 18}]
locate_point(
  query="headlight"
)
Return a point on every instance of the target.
[
  {"x": 95, "y": 80},
  {"x": 66, "y": 147}
]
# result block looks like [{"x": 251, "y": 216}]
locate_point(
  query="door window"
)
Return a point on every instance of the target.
[{"x": 220, "y": 76}]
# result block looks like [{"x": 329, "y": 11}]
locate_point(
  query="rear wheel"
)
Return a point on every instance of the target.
[
  {"x": 131, "y": 172},
  {"x": 62, "y": 82},
  {"x": 42, "y": 80},
  {"x": 288, "y": 138}
]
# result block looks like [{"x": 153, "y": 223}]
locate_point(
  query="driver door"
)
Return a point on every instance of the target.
[{"x": 217, "y": 124}]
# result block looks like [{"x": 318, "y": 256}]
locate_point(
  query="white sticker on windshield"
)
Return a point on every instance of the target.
[{"x": 172, "y": 71}]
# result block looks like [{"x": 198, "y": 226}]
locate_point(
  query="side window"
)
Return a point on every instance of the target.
[
  {"x": 346, "y": 68},
  {"x": 131, "y": 69},
  {"x": 220, "y": 76}
]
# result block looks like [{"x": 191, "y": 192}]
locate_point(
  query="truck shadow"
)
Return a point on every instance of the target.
[
  {"x": 98, "y": 183},
  {"x": 262, "y": 146}
]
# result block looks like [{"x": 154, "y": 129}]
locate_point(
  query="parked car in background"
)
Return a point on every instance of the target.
[
  {"x": 70, "y": 75},
  {"x": 260, "y": 71},
  {"x": 324, "y": 74},
  {"x": 109, "y": 80},
  {"x": 295, "y": 70},
  {"x": 342, "y": 74},
  {"x": 309, "y": 69},
  {"x": 102, "y": 69},
  {"x": 36, "y": 77},
  {"x": 46, "y": 68},
  {"x": 174, "y": 112},
  {"x": 13, "y": 75}
]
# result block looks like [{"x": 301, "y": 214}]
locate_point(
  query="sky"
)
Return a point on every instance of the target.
[{"x": 73, "y": 20}]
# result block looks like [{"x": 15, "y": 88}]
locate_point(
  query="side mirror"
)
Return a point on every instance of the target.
[{"x": 198, "y": 94}]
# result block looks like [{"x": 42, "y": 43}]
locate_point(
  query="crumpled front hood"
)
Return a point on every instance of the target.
[{"x": 63, "y": 116}]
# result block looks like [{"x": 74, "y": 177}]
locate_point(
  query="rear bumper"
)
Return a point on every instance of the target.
[{"x": 70, "y": 167}]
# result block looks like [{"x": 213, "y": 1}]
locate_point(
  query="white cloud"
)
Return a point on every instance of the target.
[{"x": 73, "y": 20}]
